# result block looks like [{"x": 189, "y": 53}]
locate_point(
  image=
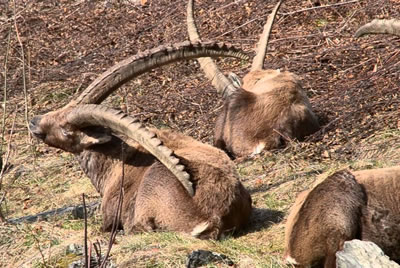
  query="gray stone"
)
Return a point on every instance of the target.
[
  {"x": 74, "y": 249},
  {"x": 362, "y": 254}
]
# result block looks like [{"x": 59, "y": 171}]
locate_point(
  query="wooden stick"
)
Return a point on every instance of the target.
[{"x": 319, "y": 7}]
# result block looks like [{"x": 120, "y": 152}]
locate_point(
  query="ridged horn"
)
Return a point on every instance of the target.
[
  {"x": 143, "y": 62},
  {"x": 258, "y": 60},
  {"x": 221, "y": 83},
  {"x": 380, "y": 27},
  {"x": 117, "y": 121}
]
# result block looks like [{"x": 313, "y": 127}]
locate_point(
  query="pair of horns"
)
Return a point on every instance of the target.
[
  {"x": 223, "y": 85},
  {"x": 124, "y": 71},
  {"x": 142, "y": 62}
]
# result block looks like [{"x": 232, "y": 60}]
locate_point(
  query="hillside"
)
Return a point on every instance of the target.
[{"x": 353, "y": 85}]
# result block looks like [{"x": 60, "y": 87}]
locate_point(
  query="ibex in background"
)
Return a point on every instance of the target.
[
  {"x": 347, "y": 205},
  {"x": 380, "y": 27},
  {"x": 268, "y": 109},
  {"x": 197, "y": 192}
]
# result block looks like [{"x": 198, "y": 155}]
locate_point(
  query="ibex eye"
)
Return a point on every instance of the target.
[{"x": 65, "y": 132}]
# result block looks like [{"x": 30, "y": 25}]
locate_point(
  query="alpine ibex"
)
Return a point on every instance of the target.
[
  {"x": 380, "y": 27},
  {"x": 196, "y": 192},
  {"x": 270, "y": 107},
  {"x": 345, "y": 206}
]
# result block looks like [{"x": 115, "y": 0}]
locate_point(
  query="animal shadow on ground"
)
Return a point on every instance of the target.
[{"x": 262, "y": 218}]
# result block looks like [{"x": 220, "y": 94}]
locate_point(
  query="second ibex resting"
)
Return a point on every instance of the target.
[
  {"x": 268, "y": 109},
  {"x": 347, "y": 205},
  {"x": 171, "y": 181}
]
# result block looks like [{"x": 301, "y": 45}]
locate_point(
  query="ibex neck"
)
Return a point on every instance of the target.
[
  {"x": 97, "y": 166},
  {"x": 104, "y": 162}
]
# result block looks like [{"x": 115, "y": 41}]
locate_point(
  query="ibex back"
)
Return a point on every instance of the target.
[{"x": 270, "y": 108}]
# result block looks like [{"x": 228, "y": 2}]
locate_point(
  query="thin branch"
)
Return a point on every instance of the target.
[
  {"x": 5, "y": 93},
  {"x": 230, "y": 4},
  {"x": 6, "y": 159},
  {"x": 23, "y": 73},
  {"x": 97, "y": 249},
  {"x": 85, "y": 232},
  {"x": 89, "y": 255},
  {"x": 318, "y": 7},
  {"x": 38, "y": 245},
  {"x": 240, "y": 26},
  {"x": 119, "y": 210},
  {"x": 285, "y": 14}
]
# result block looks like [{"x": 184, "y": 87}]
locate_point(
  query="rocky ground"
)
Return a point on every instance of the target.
[{"x": 353, "y": 85}]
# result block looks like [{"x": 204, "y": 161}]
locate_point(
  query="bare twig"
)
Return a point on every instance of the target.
[
  {"x": 233, "y": 3},
  {"x": 285, "y": 14},
  {"x": 85, "y": 232},
  {"x": 318, "y": 7},
  {"x": 6, "y": 159},
  {"x": 119, "y": 209},
  {"x": 38, "y": 246},
  {"x": 23, "y": 73},
  {"x": 5, "y": 94},
  {"x": 97, "y": 249},
  {"x": 50, "y": 242},
  {"x": 240, "y": 26},
  {"x": 89, "y": 255}
]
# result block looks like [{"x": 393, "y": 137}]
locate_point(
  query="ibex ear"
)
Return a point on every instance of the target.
[
  {"x": 235, "y": 80},
  {"x": 92, "y": 138}
]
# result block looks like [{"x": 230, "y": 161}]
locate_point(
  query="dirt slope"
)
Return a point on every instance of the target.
[{"x": 354, "y": 87}]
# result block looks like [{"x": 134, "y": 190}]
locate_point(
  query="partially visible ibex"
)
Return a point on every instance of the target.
[
  {"x": 347, "y": 205},
  {"x": 270, "y": 107},
  {"x": 380, "y": 27},
  {"x": 197, "y": 193}
]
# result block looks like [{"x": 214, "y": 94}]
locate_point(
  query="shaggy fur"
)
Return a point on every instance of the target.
[
  {"x": 153, "y": 198},
  {"x": 322, "y": 219},
  {"x": 269, "y": 110},
  {"x": 359, "y": 205}
]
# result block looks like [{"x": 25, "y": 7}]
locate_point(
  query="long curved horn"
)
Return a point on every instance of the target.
[
  {"x": 258, "y": 60},
  {"x": 133, "y": 66},
  {"x": 223, "y": 85},
  {"x": 380, "y": 27},
  {"x": 98, "y": 115}
]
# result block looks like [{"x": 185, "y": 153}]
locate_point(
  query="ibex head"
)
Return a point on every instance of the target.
[
  {"x": 54, "y": 129},
  {"x": 75, "y": 128}
]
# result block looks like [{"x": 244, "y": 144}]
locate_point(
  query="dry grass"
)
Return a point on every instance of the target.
[
  {"x": 53, "y": 180},
  {"x": 358, "y": 106}
]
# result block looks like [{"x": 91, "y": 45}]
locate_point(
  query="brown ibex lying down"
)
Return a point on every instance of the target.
[
  {"x": 197, "y": 193},
  {"x": 268, "y": 109},
  {"x": 347, "y": 205}
]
